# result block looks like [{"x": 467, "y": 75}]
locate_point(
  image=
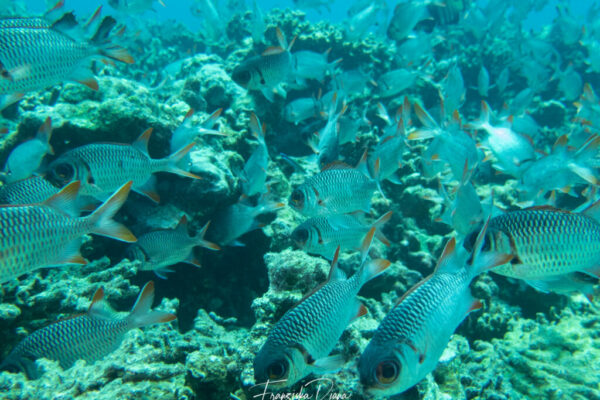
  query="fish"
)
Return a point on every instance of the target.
[
  {"x": 450, "y": 148},
  {"x": 453, "y": 89},
  {"x": 214, "y": 19},
  {"x": 312, "y": 65},
  {"x": 502, "y": 79},
  {"x": 509, "y": 148},
  {"x": 386, "y": 158},
  {"x": 562, "y": 169},
  {"x": 102, "y": 167},
  {"x": 411, "y": 338},
  {"x": 231, "y": 222},
  {"x": 316, "y": 4},
  {"x": 301, "y": 109},
  {"x": 160, "y": 249},
  {"x": 406, "y": 16},
  {"x": 569, "y": 83},
  {"x": 258, "y": 25},
  {"x": 300, "y": 342},
  {"x": 328, "y": 146},
  {"x": 266, "y": 73},
  {"x": 27, "y": 191},
  {"x": 254, "y": 175},
  {"x": 337, "y": 189},
  {"x": 548, "y": 244},
  {"x": 38, "y": 54},
  {"x": 48, "y": 234},
  {"x": 187, "y": 132},
  {"x": 134, "y": 6},
  {"x": 483, "y": 82},
  {"x": 360, "y": 23},
  {"x": 26, "y": 158},
  {"x": 90, "y": 336},
  {"x": 323, "y": 235},
  {"x": 394, "y": 82}
]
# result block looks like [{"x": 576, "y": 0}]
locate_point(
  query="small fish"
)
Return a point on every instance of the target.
[
  {"x": 483, "y": 82},
  {"x": 312, "y": 65},
  {"x": 570, "y": 83},
  {"x": 134, "y": 6},
  {"x": 548, "y": 244},
  {"x": 27, "y": 191},
  {"x": 214, "y": 19},
  {"x": 323, "y": 235},
  {"x": 102, "y": 167},
  {"x": 509, "y": 148},
  {"x": 360, "y": 23},
  {"x": 300, "y": 342},
  {"x": 187, "y": 132},
  {"x": 46, "y": 234},
  {"x": 160, "y": 249},
  {"x": 394, "y": 82},
  {"x": 502, "y": 80},
  {"x": 89, "y": 337},
  {"x": 450, "y": 148},
  {"x": 232, "y": 222},
  {"x": 254, "y": 175},
  {"x": 337, "y": 189},
  {"x": 561, "y": 170},
  {"x": 453, "y": 89},
  {"x": 257, "y": 25},
  {"x": 27, "y": 157},
  {"x": 301, "y": 109},
  {"x": 411, "y": 338},
  {"x": 37, "y": 54},
  {"x": 316, "y": 4},
  {"x": 266, "y": 73},
  {"x": 328, "y": 147},
  {"x": 406, "y": 16}
]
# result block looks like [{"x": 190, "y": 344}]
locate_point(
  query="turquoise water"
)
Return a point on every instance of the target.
[{"x": 203, "y": 203}]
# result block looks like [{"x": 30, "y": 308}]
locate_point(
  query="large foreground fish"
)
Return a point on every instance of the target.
[
  {"x": 300, "y": 343},
  {"x": 412, "y": 337},
  {"x": 36, "y": 54},
  {"x": 88, "y": 337},
  {"x": 47, "y": 234},
  {"x": 550, "y": 246}
]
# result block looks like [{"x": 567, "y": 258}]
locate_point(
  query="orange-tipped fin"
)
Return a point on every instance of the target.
[
  {"x": 66, "y": 199},
  {"x": 102, "y": 221},
  {"x": 141, "y": 143},
  {"x": 142, "y": 314}
]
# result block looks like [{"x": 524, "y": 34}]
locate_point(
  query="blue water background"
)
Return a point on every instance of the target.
[{"x": 179, "y": 10}]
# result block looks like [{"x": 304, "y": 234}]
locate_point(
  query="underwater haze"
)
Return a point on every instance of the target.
[{"x": 299, "y": 199}]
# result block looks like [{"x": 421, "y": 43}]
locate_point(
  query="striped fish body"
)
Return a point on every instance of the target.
[
  {"x": 411, "y": 338},
  {"x": 265, "y": 72},
  {"x": 89, "y": 337},
  {"x": 80, "y": 338},
  {"x": 104, "y": 167},
  {"x": 322, "y": 235},
  {"x": 546, "y": 243},
  {"x": 159, "y": 249},
  {"x": 338, "y": 189},
  {"x": 27, "y": 191},
  {"x": 34, "y": 236},
  {"x": 38, "y": 56},
  {"x": 301, "y": 341}
]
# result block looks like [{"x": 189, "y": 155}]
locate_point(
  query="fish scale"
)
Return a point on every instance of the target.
[
  {"x": 26, "y": 39},
  {"x": 546, "y": 242},
  {"x": 27, "y": 191}
]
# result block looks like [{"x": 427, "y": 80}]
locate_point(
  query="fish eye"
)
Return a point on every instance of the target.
[
  {"x": 242, "y": 77},
  {"x": 277, "y": 369},
  {"x": 387, "y": 372},
  {"x": 300, "y": 236},
  {"x": 297, "y": 197},
  {"x": 64, "y": 171}
]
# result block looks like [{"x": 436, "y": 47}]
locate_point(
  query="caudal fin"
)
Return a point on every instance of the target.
[
  {"x": 175, "y": 158},
  {"x": 102, "y": 217},
  {"x": 106, "y": 48},
  {"x": 372, "y": 269},
  {"x": 142, "y": 314},
  {"x": 205, "y": 243}
]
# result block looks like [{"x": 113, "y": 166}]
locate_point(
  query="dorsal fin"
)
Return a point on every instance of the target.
[
  {"x": 560, "y": 142},
  {"x": 96, "y": 299},
  {"x": 141, "y": 143},
  {"x": 449, "y": 249},
  {"x": 593, "y": 211},
  {"x": 336, "y": 165},
  {"x": 546, "y": 208},
  {"x": 183, "y": 224}
]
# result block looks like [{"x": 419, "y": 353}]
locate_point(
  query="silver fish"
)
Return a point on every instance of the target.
[
  {"x": 254, "y": 175},
  {"x": 160, "y": 249},
  {"x": 41, "y": 235},
  {"x": 300, "y": 342},
  {"x": 411, "y": 338},
  {"x": 102, "y": 167},
  {"x": 27, "y": 191},
  {"x": 27, "y": 157},
  {"x": 89, "y": 337}
]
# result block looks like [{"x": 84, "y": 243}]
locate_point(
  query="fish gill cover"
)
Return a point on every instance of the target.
[{"x": 365, "y": 199}]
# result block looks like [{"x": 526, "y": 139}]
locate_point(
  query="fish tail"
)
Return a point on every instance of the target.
[
  {"x": 45, "y": 133},
  {"x": 105, "y": 47},
  {"x": 372, "y": 269},
  {"x": 485, "y": 261},
  {"x": 142, "y": 314},
  {"x": 102, "y": 217},
  {"x": 174, "y": 159},
  {"x": 379, "y": 224},
  {"x": 205, "y": 243}
]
